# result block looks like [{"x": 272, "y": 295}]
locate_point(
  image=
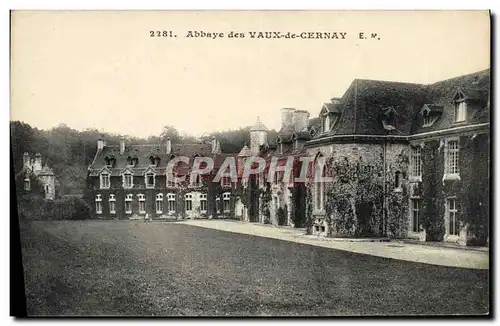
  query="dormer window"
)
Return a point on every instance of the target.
[
  {"x": 280, "y": 146},
  {"x": 460, "y": 111},
  {"x": 430, "y": 113},
  {"x": 105, "y": 182},
  {"x": 150, "y": 180},
  {"x": 329, "y": 115},
  {"x": 326, "y": 123},
  {"x": 388, "y": 118},
  {"x": 154, "y": 160},
  {"x": 128, "y": 180}
]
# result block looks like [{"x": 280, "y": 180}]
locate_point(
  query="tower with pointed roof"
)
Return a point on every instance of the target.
[{"x": 258, "y": 136}]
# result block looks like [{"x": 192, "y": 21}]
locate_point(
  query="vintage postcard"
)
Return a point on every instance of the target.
[{"x": 251, "y": 163}]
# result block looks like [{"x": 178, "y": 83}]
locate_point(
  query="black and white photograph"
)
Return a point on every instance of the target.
[{"x": 170, "y": 163}]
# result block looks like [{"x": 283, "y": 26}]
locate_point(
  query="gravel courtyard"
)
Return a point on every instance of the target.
[{"x": 166, "y": 268}]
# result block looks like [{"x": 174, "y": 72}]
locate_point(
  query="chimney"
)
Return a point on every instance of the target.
[
  {"x": 169, "y": 145},
  {"x": 101, "y": 143},
  {"x": 287, "y": 119},
  {"x": 300, "y": 120},
  {"x": 26, "y": 158},
  {"x": 214, "y": 144},
  {"x": 122, "y": 146}
]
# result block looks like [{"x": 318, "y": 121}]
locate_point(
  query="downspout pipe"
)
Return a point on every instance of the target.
[{"x": 384, "y": 204}]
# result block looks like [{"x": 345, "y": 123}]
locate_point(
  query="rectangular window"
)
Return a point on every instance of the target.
[
  {"x": 127, "y": 180},
  {"x": 105, "y": 181},
  {"x": 112, "y": 204},
  {"x": 453, "y": 224},
  {"x": 142, "y": 204},
  {"x": 171, "y": 203},
  {"x": 159, "y": 203},
  {"x": 98, "y": 204},
  {"x": 416, "y": 161},
  {"x": 203, "y": 202},
  {"x": 225, "y": 201},
  {"x": 128, "y": 204},
  {"x": 415, "y": 215},
  {"x": 427, "y": 121},
  {"x": 188, "y": 202},
  {"x": 112, "y": 207},
  {"x": 217, "y": 204},
  {"x": 27, "y": 184},
  {"x": 150, "y": 180},
  {"x": 460, "y": 111},
  {"x": 452, "y": 157},
  {"x": 326, "y": 123}
]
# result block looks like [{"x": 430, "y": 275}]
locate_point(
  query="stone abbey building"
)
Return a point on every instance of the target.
[{"x": 405, "y": 160}]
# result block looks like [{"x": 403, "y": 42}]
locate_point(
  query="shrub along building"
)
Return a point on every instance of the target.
[
  {"x": 128, "y": 181},
  {"x": 406, "y": 161}
]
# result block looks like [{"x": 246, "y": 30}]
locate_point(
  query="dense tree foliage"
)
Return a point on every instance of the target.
[{"x": 69, "y": 152}]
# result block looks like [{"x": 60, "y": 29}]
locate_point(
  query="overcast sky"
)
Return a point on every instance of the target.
[{"x": 103, "y": 70}]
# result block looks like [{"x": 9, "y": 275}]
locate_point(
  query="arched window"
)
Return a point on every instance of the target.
[
  {"x": 397, "y": 180},
  {"x": 319, "y": 185}
]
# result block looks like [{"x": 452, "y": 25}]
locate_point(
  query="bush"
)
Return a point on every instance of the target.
[{"x": 66, "y": 208}]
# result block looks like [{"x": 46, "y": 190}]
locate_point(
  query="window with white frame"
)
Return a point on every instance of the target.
[
  {"x": 415, "y": 214},
  {"x": 188, "y": 201},
  {"x": 27, "y": 184},
  {"x": 203, "y": 203},
  {"x": 112, "y": 204},
  {"x": 460, "y": 111},
  {"x": 326, "y": 123},
  {"x": 150, "y": 180},
  {"x": 105, "y": 183},
  {"x": 452, "y": 157},
  {"x": 319, "y": 186},
  {"x": 128, "y": 204},
  {"x": 128, "y": 180},
  {"x": 225, "y": 201},
  {"x": 142, "y": 203},
  {"x": 171, "y": 203},
  {"x": 217, "y": 204},
  {"x": 159, "y": 203},
  {"x": 98, "y": 204},
  {"x": 453, "y": 224},
  {"x": 428, "y": 120},
  {"x": 226, "y": 182},
  {"x": 416, "y": 161}
]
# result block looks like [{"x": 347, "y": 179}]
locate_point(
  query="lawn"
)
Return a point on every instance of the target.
[{"x": 167, "y": 268}]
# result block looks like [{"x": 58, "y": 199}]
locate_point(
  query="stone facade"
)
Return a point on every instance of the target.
[
  {"x": 32, "y": 167},
  {"x": 406, "y": 160}
]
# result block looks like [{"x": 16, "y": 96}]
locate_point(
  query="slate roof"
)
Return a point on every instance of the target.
[
  {"x": 364, "y": 104},
  {"x": 143, "y": 154}
]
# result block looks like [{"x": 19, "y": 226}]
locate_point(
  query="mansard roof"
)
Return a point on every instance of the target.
[
  {"x": 143, "y": 153},
  {"x": 365, "y": 102}
]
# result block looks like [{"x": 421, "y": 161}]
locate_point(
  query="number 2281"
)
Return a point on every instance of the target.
[{"x": 161, "y": 34}]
